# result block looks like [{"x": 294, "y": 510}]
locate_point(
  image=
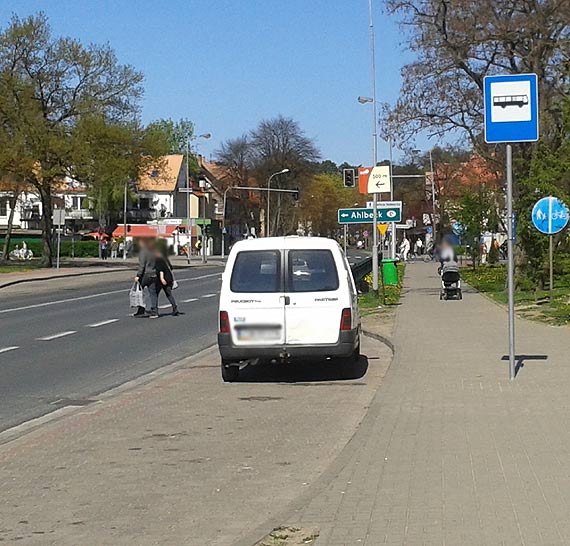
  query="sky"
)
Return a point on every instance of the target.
[{"x": 227, "y": 64}]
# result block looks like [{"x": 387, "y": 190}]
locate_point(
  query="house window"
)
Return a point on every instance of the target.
[
  {"x": 3, "y": 207},
  {"x": 76, "y": 203}
]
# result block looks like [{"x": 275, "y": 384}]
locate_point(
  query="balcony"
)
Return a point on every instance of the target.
[{"x": 79, "y": 214}]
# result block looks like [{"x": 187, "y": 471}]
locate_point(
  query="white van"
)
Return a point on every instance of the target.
[{"x": 284, "y": 298}]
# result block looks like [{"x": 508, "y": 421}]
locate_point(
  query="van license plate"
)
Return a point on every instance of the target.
[{"x": 258, "y": 334}]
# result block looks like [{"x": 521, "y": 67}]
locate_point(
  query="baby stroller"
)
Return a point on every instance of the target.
[{"x": 450, "y": 282}]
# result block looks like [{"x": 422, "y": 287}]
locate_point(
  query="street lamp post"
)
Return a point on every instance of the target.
[
  {"x": 268, "y": 227},
  {"x": 434, "y": 224},
  {"x": 224, "y": 221},
  {"x": 205, "y": 136}
]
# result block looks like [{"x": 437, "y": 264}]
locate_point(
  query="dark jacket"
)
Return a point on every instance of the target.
[
  {"x": 147, "y": 268},
  {"x": 163, "y": 266}
]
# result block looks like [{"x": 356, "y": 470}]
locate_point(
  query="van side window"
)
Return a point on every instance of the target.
[
  {"x": 257, "y": 271},
  {"x": 312, "y": 271}
]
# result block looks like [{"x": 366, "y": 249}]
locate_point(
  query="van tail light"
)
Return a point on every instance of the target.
[
  {"x": 224, "y": 322},
  {"x": 346, "y": 320}
]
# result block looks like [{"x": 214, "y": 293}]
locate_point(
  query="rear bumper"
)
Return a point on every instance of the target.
[{"x": 347, "y": 343}]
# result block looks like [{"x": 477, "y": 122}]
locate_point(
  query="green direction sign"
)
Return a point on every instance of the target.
[
  {"x": 385, "y": 215},
  {"x": 203, "y": 221}
]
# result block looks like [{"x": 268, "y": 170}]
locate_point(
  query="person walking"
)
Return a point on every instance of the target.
[
  {"x": 405, "y": 248},
  {"x": 164, "y": 282},
  {"x": 147, "y": 276}
]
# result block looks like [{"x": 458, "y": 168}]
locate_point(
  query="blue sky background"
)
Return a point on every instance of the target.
[{"x": 227, "y": 64}]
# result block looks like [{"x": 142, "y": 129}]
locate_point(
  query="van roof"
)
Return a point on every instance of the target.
[{"x": 289, "y": 242}]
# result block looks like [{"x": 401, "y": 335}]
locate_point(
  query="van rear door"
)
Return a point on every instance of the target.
[
  {"x": 315, "y": 297},
  {"x": 256, "y": 308}
]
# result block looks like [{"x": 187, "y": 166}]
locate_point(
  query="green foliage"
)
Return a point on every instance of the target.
[
  {"x": 178, "y": 135},
  {"x": 52, "y": 87},
  {"x": 83, "y": 249},
  {"x": 476, "y": 212},
  {"x": 549, "y": 174}
]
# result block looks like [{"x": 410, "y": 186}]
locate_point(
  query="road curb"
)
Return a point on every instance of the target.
[{"x": 18, "y": 431}]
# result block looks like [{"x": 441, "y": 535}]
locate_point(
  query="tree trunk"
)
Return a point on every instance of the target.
[
  {"x": 47, "y": 224},
  {"x": 6, "y": 250}
]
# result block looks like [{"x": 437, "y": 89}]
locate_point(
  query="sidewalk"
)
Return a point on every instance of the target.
[{"x": 451, "y": 452}]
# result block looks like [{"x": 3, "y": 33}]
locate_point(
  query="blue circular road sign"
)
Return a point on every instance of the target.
[{"x": 550, "y": 215}]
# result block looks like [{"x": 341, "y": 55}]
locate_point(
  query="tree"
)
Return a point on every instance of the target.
[
  {"x": 236, "y": 155},
  {"x": 324, "y": 194},
  {"x": 178, "y": 133},
  {"x": 54, "y": 83},
  {"x": 110, "y": 155},
  {"x": 278, "y": 144},
  {"x": 457, "y": 43}
]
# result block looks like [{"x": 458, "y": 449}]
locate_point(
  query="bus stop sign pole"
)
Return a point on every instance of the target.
[{"x": 511, "y": 262}]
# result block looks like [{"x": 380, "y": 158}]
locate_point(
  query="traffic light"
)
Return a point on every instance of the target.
[
  {"x": 349, "y": 178},
  {"x": 207, "y": 230},
  {"x": 296, "y": 194}
]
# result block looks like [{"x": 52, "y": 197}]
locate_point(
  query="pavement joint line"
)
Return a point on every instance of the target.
[
  {"x": 7, "y": 349},
  {"x": 56, "y": 336},
  {"x": 102, "y": 323},
  {"x": 90, "y": 296},
  {"x": 17, "y": 431}
]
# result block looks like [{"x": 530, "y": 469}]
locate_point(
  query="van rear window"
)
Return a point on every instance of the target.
[
  {"x": 312, "y": 271},
  {"x": 257, "y": 271}
]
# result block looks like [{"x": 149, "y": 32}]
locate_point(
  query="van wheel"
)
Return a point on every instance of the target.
[{"x": 229, "y": 373}]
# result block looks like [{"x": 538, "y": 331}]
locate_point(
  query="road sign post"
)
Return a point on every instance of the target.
[
  {"x": 58, "y": 219},
  {"x": 511, "y": 115},
  {"x": 550, "y": 216}
]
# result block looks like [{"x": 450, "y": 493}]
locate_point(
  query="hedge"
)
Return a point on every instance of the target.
[{"x": 83, "y": 249}]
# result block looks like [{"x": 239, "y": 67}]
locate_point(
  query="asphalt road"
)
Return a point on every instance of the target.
[
  {"x": 74, "y": 338},
  {"x": 64, "y": 341}
]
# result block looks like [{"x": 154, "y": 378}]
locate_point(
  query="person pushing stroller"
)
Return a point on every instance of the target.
[{"x": 450, "y": 277}]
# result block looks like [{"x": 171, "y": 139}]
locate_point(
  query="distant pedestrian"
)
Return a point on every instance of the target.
[
  {"x": 405, "y": 248},
  {"x": 164, "y": 282},
  {"x": 104, "y": 246},
  {"x": 419, "y": 247},
  {"x": 147, "y": 275},
  {"x": 114, "y": 248},
  {"x": 122, "y": 248},
  {"x": 483, "y": 251}
]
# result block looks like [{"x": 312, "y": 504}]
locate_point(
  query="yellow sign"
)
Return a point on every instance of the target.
[{"x": 382, "y": 228}]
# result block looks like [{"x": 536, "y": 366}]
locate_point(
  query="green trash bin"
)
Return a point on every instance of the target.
[{"x": 390, "y": 271}]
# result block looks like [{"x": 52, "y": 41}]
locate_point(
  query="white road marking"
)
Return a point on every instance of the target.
[
  {"x": 6, "y": 349},
  {"x": 209, "y": 295},
  {"x": 190, "y": 300},
  {"x": 164, "y": 306},
  {"x": 103, "y": 323},
  {"x": 91, "y": 296},
  {"x": 57, "y": 336}
]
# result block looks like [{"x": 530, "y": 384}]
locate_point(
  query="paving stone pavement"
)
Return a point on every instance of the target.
[
  {"x": 183, "y": 460},
  {"x": 451, "y": 452}
]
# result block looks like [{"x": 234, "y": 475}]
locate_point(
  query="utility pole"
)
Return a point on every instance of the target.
[
  {"x": 188, "y": 228},
  {"x": 125, "y": 223},
  {"x": 393, "y": 226},
  {"x": 374, "y": 151}
]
